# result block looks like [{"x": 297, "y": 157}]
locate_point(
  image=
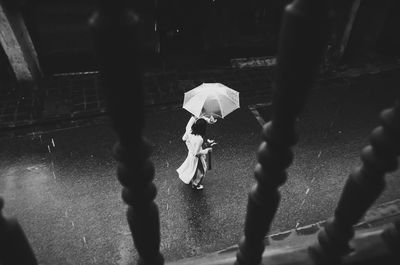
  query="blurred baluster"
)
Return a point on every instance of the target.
[
  {"x": 117, "y": 39},
  {"x": 303, "y": 39},
  {"x": 14, "y": 246},
  {"x": 391, "y": 236},
  {"x": 362, "y": 188}
]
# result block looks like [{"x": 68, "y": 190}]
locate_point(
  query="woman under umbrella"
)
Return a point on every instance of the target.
[
  {"x": 207, "y": 100},
  {"x": 194, "y": 168}
]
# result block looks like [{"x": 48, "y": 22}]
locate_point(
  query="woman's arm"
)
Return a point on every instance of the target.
[
  {"x": 191, "y": 121},
  {"x": 188, "y": 129},
  {"x": 199, "y": 150}
]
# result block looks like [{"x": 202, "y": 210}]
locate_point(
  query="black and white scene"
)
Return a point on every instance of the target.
[{"x": 205, "y": 132}]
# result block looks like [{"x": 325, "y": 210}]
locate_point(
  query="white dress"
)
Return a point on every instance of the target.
[{"x": 195, "y": 154}]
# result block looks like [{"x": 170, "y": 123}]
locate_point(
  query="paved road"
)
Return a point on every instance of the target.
[{"x": 61, "y": 185}]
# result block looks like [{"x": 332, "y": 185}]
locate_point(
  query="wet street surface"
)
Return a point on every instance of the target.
[{"x": 62, "y": 186}]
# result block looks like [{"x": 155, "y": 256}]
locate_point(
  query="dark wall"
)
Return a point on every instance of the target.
[
  {"x": 375, "y": 31},
  {"x": 204, "y": 28},
  {"x": 388, "y": 42},
  {"x": 61, "y": 35}
]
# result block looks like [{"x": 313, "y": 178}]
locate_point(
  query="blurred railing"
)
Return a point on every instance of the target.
[{"x": 116, "y": 31}]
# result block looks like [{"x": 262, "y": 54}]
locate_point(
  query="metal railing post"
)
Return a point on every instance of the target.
[
  {"x": 14, "y": 246},
  {"x": 391, "y": 236},
  {"x": 303, "y": 39},
  {"x": 362, "y": 188},
  {"x": 117, "y": 39}
]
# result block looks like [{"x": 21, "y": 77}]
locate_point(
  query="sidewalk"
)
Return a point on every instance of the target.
[
  {"x": 77, "y": 96},
  {"x": 284, "y": 247}
]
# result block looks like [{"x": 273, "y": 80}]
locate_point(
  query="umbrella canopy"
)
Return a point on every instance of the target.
[{"x": 211, "y": 99}]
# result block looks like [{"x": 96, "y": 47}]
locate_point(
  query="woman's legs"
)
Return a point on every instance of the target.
[{"x": 198, "y": 176}]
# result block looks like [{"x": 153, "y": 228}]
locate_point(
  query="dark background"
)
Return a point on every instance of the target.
[{"x": 200, "y": 33}]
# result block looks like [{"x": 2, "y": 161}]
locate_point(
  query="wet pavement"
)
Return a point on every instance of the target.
[{"x": 60, "y": 182}]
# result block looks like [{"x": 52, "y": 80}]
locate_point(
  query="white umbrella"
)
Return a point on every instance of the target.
[{"x": 211, "y": 99}]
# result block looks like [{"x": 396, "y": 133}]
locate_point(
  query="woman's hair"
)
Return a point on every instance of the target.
[{"x": 199, "y": 127}]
